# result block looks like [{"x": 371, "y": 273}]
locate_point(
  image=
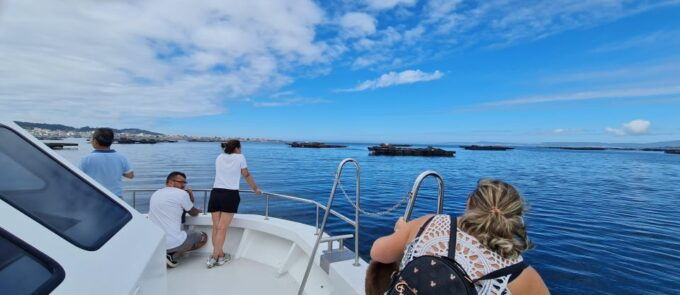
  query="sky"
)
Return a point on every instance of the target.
[{"x": 407, "y": 71}]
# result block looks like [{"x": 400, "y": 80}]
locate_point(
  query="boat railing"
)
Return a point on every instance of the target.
[
  {"x": 328, "y": 209},
  {"x": 416, "y": 186},
  {"x": 267, "y": 196}
]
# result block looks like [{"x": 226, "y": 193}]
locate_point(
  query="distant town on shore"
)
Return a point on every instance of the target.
[{"x": 45, "y": 131}]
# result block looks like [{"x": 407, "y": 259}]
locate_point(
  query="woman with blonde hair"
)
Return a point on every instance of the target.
[{"x": 490, "y": 237}]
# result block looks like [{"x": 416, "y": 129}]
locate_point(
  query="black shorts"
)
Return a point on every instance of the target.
[{"x": 224, "y": 200}]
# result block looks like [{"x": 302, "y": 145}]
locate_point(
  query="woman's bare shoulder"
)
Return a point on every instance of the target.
[{"x": 528, "y": 282}]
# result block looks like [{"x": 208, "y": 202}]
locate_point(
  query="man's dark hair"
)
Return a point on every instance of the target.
[
  {"x": 173, "y": 174},
  {"x": 103, "y": 136},
  {"x": 231, "y": 145}
]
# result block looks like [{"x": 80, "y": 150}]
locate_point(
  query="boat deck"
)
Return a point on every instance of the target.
[
  {"x": 270, "y": 256},
  {"x": 239, "y": 276}
]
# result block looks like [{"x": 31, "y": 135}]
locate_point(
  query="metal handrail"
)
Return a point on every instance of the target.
[
  {"x": 266, "y": 195},
  {"x": 328, "y": 209},
  {"x": 416, "y": 186},
  {"x": 319, "y": 230}
]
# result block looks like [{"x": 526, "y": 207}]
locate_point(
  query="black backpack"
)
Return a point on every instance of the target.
[{"x": 441, "y": 275}]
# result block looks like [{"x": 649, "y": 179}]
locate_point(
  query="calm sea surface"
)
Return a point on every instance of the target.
[{"x": 604, "y": 222}]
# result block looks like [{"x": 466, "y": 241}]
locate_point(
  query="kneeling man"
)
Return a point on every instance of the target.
[{"x": 166, "y": 209}]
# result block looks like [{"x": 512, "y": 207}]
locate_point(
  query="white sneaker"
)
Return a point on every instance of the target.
[
  {"x": 170, "y": 260},
  {"x": 211, "y": 262},
  {"x": 224, "y": 259}
]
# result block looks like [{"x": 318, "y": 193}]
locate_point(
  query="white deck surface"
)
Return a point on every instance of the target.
[
  {"x": 239, "y": 276},
  {"x": 270, "y": 257}
]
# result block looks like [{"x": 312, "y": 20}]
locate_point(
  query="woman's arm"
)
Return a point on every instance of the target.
[
  {"x": 250, "y": 180},
  {"x": 389, "y": 249}
]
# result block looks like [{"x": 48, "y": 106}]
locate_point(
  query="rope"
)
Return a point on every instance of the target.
[{"x": 380, "y": 213}]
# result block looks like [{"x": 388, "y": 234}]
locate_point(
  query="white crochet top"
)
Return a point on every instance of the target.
[{"x": 475, "y": 258}]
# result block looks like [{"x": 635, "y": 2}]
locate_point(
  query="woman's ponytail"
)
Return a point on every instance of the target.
[{"x": 495, "y": 217}]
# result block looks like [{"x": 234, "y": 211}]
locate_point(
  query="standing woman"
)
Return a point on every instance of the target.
[{"x": 224, "y": 197}]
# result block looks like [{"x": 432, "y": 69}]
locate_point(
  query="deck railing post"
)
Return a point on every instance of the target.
[
  {"x": 134, "y": 199},
  {"x": 266, "y": 208},
  {"x": 356, "y": 217},
  {"x": 316, "y": 232},
  {"x": 205, "y": 202}
]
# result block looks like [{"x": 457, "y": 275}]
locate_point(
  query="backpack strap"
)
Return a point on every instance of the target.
[
  {"x": 422, "y": 227},
  {"x": 508, "y": 270},
  {"x": 453, "y": 232}
]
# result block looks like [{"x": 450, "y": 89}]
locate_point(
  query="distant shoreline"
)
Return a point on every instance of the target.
[
  {"x": 45, "y": 131},
  {"x": 668, "y": 150}
]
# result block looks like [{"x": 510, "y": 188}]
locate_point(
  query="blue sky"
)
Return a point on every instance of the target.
[{"x": 421, "y": 71}]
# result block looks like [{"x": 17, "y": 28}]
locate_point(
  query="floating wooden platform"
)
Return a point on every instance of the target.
[
  {"x": 316, "y": 145},
  {"x": 653, "y": 149},
  {"x": 142, "y": 140},
  {"x": 60, "y": 145},
  {"x": 49, "y": 137},
  {"x": 486, "y": 147},
  {"x": 391, "y": 150},
  {"x": 204, "y": 140},
  {"x": 580, "y": 148}
]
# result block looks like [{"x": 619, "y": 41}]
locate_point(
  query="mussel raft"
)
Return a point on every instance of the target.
[
  {"x": 390, "y": 150},
  {"x": 317, "y": 145}
]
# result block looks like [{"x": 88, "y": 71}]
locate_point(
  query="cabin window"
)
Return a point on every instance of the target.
[
  {"x": 45, "y": 190},
  {"x": 24, "y": 269}
]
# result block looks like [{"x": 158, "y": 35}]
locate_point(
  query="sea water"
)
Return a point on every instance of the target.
[{"x": 602, "y": 221}]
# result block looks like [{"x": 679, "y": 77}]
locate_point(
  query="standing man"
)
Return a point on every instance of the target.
[
  {"x": 166, "y": 209},
  {"x": 105, "y": 165}
]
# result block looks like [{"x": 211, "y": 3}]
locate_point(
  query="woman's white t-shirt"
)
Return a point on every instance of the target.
[{"x": 228, "y": 170}]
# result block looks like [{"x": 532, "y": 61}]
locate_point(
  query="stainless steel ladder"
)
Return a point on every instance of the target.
[
  {"x": 416, "y": 186},
  {"x": 320, "y": 237}
]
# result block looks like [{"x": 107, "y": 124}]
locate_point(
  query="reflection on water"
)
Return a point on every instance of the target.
[{"x": 602, "y": 221}]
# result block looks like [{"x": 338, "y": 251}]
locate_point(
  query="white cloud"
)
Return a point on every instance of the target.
[
  {"x": 367, "y": 60},
  {"x": 358, "y": 24},
  {"x": 563, "y": 132},
  {"x": 438, "y": 10},
  {"x": 114, "y": 61},
  {"x": 660, "y": 39},
  {"x": 287, "y": 98},
  {"x": 388, "y": 4},
  {"x": 394, "y": 78},
  {"x": 449, "y": 25},
  {"x": 655, "y": 71},
  {"x": 412, "y": 35},
  {"x": 588, "y": 95},
  {"x": 510, "y": 21},
  {"x": 76, "y": 62},
  {"x": 635, "y": 127},
  {"x": 283, "y": 94},
  {"x": 289, "y": 102}
]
